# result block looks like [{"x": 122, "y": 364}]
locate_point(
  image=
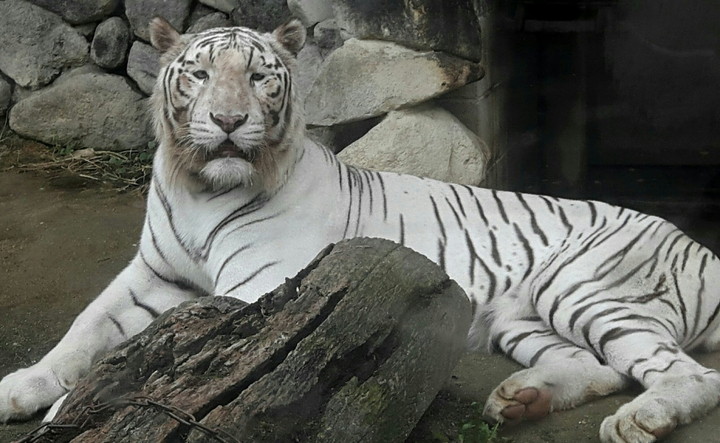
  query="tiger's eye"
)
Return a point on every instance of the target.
[
  {"x": 200, "y": 75},
  {"x": 256, "y": 77}
]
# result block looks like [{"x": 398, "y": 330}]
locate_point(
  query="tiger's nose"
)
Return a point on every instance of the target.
[{"x": 229, "y": 123}]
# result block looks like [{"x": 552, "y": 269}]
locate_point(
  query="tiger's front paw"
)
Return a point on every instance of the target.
[
  {"x": 519, "y": 397},
  {"x": 26, "y": 391}
]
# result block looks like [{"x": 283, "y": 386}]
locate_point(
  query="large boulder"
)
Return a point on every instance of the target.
[
  {"x": 141, "y": 12},
  {"x": 443, "y": 25},
  {"x": 88, "y": 110},
  {"x": 222, "y": 5},
  {"x": 79, "y": 11},
  {"x": 311, "y": 12},
  {"x": 212, "y": 20},
  {"x": 36, "y": 44},
  {"x": 364, "y": 79},
  {"x": 143, "y": 66},
  {"x": 263, "y": 15},
  {"x": 423, "y": 141},
  {"x": 110, "y": 44}
]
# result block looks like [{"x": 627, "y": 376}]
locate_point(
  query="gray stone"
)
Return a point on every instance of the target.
[
  {"x": 6, "y": 94},
  {"x": 79, "y": 11},
  {"x": 86, "y": 110},
  {"x": 214, "y": 20},
  {"x": 311, "y": 12},
  {"x": 143, "y": 66},
  {"x": 36, "y": 44},
  {"x": 263, "y": 15},
  {"x": 363, "y": 79},
  {"x": 424, "y": 141},
  {"x": 222, "y": 5},
  {"x": 199, "y": 11},
  {"x": 308, "y": 64},
  {"x": 442, "y": 25},
  {"x": 328, "y": 36},
  {"x": 110, "y": 44},
  {"x": 86, "y": 30},
  {"x": 141, "y": 12}
]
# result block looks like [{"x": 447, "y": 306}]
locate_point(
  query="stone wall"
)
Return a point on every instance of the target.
[{"x": 376, "y": 76}]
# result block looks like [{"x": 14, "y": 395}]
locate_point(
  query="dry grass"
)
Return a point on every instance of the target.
[{"x": 123, "y": 170}]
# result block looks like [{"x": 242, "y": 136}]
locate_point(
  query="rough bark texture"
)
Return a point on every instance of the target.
[{"x": 354, "y": 348}]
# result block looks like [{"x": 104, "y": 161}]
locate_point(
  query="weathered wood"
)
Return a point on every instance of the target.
[{"x": 354, "y": 348}]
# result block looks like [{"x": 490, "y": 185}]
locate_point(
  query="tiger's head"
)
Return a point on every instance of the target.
[{"x": 224, "y": 105}]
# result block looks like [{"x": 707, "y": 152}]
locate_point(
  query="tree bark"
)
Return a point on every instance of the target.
[{"x": 352, "y": 349}]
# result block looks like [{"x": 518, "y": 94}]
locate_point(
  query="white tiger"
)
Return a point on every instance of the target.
[{"x": 587, "y": 295}]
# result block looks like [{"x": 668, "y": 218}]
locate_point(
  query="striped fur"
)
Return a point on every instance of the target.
[{"x": 587, "y": 295}]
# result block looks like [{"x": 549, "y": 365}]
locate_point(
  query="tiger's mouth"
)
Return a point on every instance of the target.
[{"x": 228, "y": 149}]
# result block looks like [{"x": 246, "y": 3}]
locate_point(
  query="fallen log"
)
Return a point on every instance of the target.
[{"x": 352, "y": 349}]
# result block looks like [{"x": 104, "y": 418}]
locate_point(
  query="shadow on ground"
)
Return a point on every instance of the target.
[{"x": 59, "y": 248}]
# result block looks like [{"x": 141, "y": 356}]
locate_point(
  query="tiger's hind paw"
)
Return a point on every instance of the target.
[
  {"x": 515, "y": 399},
  {"x": 637, "y": 425}
]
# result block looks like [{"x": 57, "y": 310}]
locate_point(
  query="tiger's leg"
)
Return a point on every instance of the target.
[
  {"x": 560, "y": 375},
  {"x": 678, "y": 389},
  {"x": 122, "y": 310}
]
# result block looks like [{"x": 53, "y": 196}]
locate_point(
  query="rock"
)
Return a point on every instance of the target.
[
  {"x": 214, "y": 20},
  {"x": 110, "y": 44},
  {"x": 222, "y": 5},
  {"x": 86, "y": 30},
  {"x": 311, "y": 12},
  {"x": 300, "y": 364},
  {"x": 79, "y": 11},
  {"x": 85, "y": 110},
  {"x": 143, "y": 66},
  {"x": 423, "y": 141},
  {"x": 36, "y": 44},
  {"x": 363, "y": 79},
  {"x": 140, "y": 12},
  {"x": 327, "y": 36},
  {"x": 263, "y": 15},
  {"x": 6, "y": 94},
  {"x": 309, "y": 60},
  {"x": 442, "y": 25}
]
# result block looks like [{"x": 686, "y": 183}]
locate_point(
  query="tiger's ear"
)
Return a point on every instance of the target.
[
  {"x": 291, "y": 36},
  {"x": 162, "y": 35}
]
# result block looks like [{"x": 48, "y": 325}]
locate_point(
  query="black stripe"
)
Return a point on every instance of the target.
[
  {"x": 402, "y": 230},
  {"x": 382, "y": 186},
  {"x": 533, "y": 221},
  {"x": 459, "y": 202},
  {"x": 528, "y": 251},
  {"x": 441, "y": 254},
  {"x": 228, "y": 259},
  {"x": 618, "y": 333},
  {"x": 455, "y": 213},
  {"x": 495, "y": 251},
  {"x": 589, "y": 324},
  {"x": 665, "y": 369},
  {"x": 500, "y": 206},
  {"x": 546, "y": 348},
  {"x": 437, "y": 218},
  {"x": 153, "y": 313},
  {"x": 593, "y": 212},
  {"x": 251, "y": 276},
  {"x": 117, "y": 325}
]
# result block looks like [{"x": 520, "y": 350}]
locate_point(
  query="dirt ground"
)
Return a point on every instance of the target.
[{"x": 59, "y": 247}]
